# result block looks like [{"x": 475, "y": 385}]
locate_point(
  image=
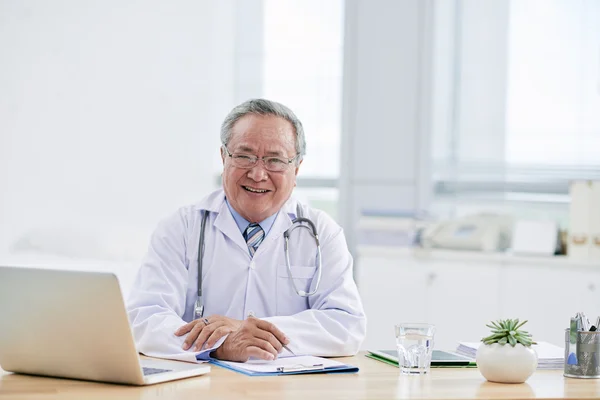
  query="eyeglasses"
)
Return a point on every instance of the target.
[{"x": 247, "y": 161}]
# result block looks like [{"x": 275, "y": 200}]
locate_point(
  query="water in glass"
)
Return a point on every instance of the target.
[{"x": 415, "y": 346}]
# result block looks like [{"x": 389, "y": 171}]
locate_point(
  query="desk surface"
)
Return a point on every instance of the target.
[{"x": 375, "y": 380}]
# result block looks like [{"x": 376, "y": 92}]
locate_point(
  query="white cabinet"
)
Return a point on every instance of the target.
[
  {"x": 392, "y": 291},
  {"x": 460, "y": 292},
  {"x": 462, "y": 298},
  {"x": 458, "y": 297}
]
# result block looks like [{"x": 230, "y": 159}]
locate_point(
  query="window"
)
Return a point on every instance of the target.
[
  {"x": 553, "y": 102},
  {"x": 522, "y": 90}
]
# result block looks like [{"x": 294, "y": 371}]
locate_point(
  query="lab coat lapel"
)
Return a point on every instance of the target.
[{"x": 226, "y": 224}]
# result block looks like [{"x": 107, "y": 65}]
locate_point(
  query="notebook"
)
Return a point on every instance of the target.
[
  {"x": 439, "y": 359},
  {"x": 549, "y": 355},
  {"x": 287, "y": 366}
]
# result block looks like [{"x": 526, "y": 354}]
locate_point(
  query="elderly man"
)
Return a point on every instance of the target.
[{"x": 254, "y": 298}]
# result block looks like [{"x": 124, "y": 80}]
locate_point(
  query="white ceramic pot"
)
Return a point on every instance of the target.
[{"x": 506, "y": 364}]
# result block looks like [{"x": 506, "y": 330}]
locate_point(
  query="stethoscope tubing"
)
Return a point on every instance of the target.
[{"x": 296, "y": 223}]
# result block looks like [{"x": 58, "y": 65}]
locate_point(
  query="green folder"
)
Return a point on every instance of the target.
[{"x": 433, "y": 363}]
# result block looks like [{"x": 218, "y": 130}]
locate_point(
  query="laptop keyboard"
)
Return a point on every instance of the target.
[{"x": 152, "y": 371}]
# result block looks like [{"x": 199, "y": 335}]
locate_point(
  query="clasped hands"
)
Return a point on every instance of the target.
[{"x": 251, "y": 337}]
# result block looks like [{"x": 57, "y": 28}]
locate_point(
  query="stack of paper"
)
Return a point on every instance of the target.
[{"x": 549, "y": 355}]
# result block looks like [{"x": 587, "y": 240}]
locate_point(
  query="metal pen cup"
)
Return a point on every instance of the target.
[{"x": 582, "y": 354}]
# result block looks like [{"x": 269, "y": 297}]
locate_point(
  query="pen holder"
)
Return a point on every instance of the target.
[{"x": 582, "y": 355}]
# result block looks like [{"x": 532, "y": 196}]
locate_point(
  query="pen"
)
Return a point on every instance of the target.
[
  {"x": 585, "y": 322},
  {"x": 251, "y": 314},
  {"x": 288, "y": 349},
  {"x": 575, "y": 327}
]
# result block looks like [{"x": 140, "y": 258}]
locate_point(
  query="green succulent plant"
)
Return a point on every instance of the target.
[{"x": 506, "y": 331}]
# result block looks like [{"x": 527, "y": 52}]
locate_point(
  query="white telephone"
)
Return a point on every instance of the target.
[{"x": 480, "y": 232}]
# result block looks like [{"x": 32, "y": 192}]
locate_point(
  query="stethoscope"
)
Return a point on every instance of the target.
[{"x": 298, "y": 222}]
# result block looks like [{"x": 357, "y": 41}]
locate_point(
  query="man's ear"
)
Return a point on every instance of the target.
[
  {"x": 298, "y": 167},
  {"x": 222, "y": 154}
]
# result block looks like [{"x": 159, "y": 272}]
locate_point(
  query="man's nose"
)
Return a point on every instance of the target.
[{"x": 258, "y": 172}]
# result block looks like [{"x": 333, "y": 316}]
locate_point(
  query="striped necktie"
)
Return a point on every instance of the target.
[{"x": 254, "y": 236}]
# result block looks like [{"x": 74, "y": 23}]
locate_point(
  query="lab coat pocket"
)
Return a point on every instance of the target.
[{"x": 288, "y": 301}]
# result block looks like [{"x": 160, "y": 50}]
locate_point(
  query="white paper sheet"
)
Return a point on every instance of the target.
[{"x": 306, "y": 362}]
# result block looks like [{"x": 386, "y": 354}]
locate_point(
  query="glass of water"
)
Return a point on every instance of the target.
[{"x": 415, "y": 346}]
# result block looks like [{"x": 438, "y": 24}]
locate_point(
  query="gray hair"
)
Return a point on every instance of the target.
[{"x": 264, "y": 107}]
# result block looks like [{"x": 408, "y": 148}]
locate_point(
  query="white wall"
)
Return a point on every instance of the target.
[{"x": 109, "y": 110}]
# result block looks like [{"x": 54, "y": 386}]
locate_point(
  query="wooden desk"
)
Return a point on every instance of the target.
[{"x": 374, "y": 381}]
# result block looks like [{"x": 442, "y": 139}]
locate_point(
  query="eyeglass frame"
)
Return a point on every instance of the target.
[{"x": 257, "y": 159}]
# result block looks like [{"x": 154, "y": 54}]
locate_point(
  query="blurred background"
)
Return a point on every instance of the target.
[{"x": 457, "y": 142}]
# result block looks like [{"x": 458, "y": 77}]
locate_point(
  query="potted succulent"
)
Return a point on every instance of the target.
[{"x": 506, "y": 355}]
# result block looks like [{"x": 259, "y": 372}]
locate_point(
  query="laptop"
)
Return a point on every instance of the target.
[{"x": 73, "y": 324}]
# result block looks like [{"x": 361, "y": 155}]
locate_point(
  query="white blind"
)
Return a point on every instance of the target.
[
  {"x": 553, "y": 98},
  {"x": 524, "y": 96}
]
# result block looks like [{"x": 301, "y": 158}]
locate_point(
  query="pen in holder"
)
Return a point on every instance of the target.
[{"x": 582, "y": 354}]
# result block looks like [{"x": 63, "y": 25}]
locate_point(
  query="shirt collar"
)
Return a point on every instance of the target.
[{"x": 242, "y": 223}]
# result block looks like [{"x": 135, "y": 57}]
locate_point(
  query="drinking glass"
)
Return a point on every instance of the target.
[{"x": 415, "y": 346}]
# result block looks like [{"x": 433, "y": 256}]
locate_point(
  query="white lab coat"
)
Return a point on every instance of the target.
[{"x": 330, "y": 323}]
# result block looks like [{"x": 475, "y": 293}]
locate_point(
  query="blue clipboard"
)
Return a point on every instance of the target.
[{"x": 304, "y": 370}]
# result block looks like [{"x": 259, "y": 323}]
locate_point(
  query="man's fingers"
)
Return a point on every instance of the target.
[
  {"x": 254, "y": 351},
  {"x": 193, "y": 335},
  {"x": 205, "y": 334},
  {"x": 269, "y": 327},
  {"x": 216, "y": 335},
  {"x": 185, "y": 328},
  {"x": 269, "y": 337},
  {"x": 264, "y": 345}
]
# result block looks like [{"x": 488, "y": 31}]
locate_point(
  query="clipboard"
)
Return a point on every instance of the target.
[{"x": 297, "y": 365}]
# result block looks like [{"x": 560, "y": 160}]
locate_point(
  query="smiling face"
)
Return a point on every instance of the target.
[{"x": 256, "y": 193}]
